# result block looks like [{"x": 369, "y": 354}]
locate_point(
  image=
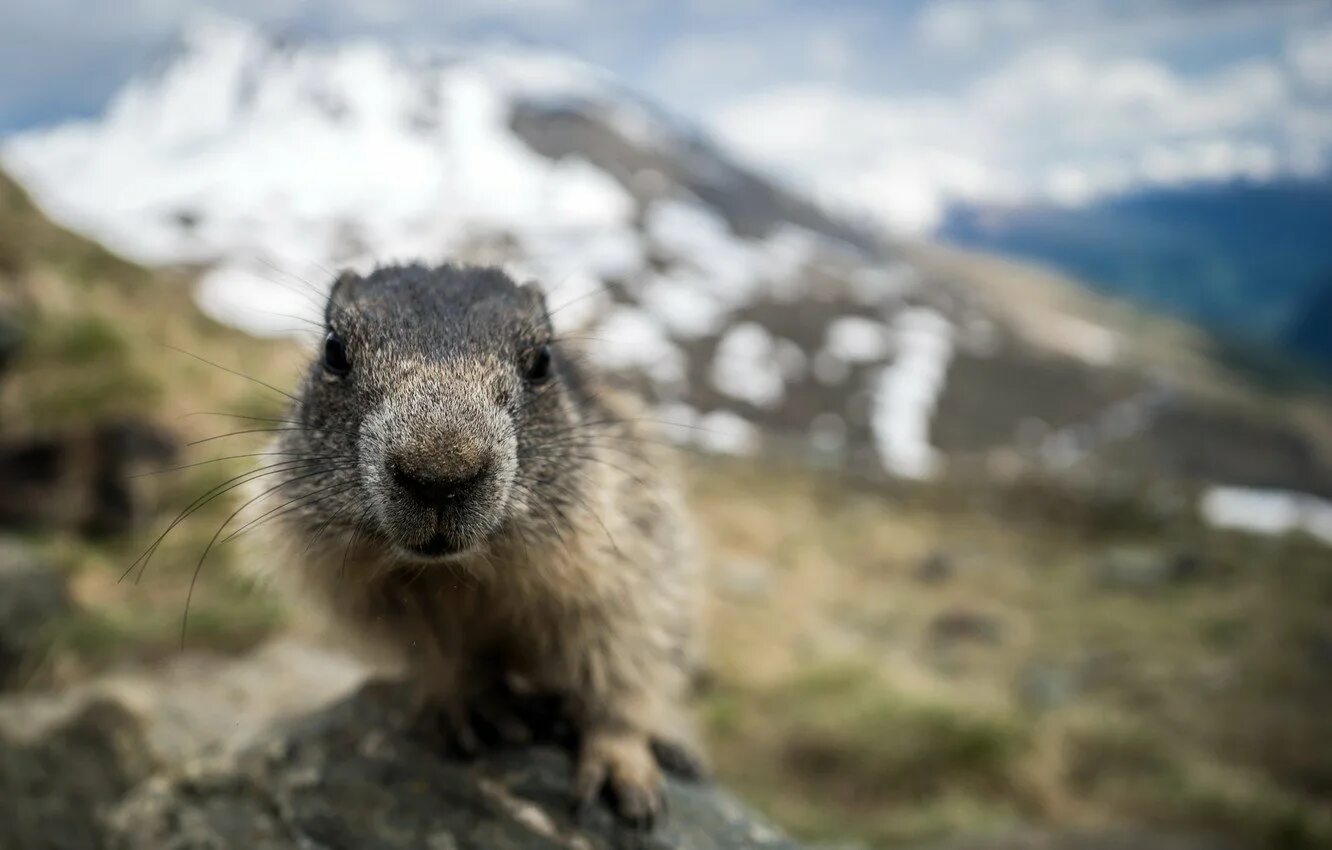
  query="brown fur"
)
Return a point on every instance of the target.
[{"x": 583, "y": 585}]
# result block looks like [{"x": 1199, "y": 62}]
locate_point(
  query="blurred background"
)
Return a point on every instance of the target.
[{"x": 997, "y": 335}]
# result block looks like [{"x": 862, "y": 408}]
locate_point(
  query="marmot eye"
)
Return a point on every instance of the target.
[
  {"x": 335, "y": 355},
  {"x": 538, "y": 368}
]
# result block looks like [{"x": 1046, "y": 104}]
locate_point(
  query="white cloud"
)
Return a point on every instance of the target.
[
  {"x": 704, "y": 62},
  {"x": 1052, "y": 123},
  {"x": 1310, "y": 54},
  {"x": 961, "y": 24},
  {"x": 831, "y": 52}
]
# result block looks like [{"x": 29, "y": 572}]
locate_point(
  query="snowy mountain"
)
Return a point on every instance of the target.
[{"x": 750, "y": 315}]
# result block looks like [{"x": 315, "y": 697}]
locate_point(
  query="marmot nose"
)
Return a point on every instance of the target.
[{"x": 436, "y": 491}]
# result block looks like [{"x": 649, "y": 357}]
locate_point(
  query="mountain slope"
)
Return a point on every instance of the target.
[{"x": 752, "y": 317}]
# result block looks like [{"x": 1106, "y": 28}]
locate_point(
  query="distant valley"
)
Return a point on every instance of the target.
[{"x": 1252, "y": 263}]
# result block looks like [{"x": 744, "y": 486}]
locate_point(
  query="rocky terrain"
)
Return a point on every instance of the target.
[{"x": 292, "y": 748}]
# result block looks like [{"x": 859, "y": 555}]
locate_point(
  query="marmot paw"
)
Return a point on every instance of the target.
[{"x": 620, "y": 768}]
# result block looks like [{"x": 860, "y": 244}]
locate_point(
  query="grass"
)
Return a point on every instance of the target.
[
  {"x": 100, "y": 340},
  {"x": 843, "y": 708}
]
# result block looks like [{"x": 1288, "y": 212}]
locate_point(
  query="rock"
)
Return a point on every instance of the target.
[
  {"x": 936, "y": 568},
  {"x": 1112, "y": 839},
  {"x": 81, "y": 479},
  {"x": 289, "y": 748},
  {"x": 959, "y": 625},
  {"x": 1042, "y": 687},
  {"x": 359, "y": 775},
  {"x": 54, "y": 791},
  {"x": 32, "y": 596},
  {"x": 1145, "y": 569},
  {"x": 197, "y": 704}
]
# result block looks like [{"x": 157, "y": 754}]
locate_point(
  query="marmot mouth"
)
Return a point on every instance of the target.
[{"x": 439, "y": 546}]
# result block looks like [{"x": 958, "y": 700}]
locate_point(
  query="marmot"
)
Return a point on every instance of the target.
[{"x": 467, "y": 492}]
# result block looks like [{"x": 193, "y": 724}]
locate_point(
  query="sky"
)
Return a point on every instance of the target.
[{"x": 892, "y": 110}]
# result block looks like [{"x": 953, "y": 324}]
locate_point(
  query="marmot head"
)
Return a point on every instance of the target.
[{"x": 438, "y": 410}]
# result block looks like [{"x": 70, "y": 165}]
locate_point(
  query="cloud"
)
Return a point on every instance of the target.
[
  {"x": 1310, "y": 54},
  {"x": 1052, "y": 124},
  {"x": 962, "y": 24}
]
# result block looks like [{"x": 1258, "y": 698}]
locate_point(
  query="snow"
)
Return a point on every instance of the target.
[
  {"x": 230, "y": 294},
  {"x": 907, "y": 391},
  {"x": 703, "y": 240},
  {"x": 856, "y": 339},
  {"x": 629, "y": 338},
  {"x": 746, "y": 366},
  {"x": 1268, "y": 512},
  {"x": 718, "y": 432},
  {"x": 331, "y": 154},
  {"x": 683, "y": 301},
  {"x": 725, "y": 432},
  {"x": 734, "y": 271},
  {"x": 678, "y": 422}
]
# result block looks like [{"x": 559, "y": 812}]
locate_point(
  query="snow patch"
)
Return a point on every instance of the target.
[
  {"x": 1269, "y": 512},
  {"x": 230, "y": 294},
  {"x": 734, "y": 270},
  {"x": 746, "y": 366},
  {"x": 678, "y": 422},
  {"x": 702, "y": 239},
  {"x": 724, "y": 432},
  {"x": 631, "y": 339},
  {"x": 683, "y": 302},
  {"x": 907, "y": 391},
  {"x": 855, "y": 339}
]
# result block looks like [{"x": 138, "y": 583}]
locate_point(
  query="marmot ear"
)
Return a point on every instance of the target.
[
  {"x": 536, "y": 299},
  {"x": 341, "y": 293}
]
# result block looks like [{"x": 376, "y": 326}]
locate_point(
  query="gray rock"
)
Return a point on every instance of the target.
[
  {"x": 359, "y": 775},
  {"x": 1146, "y": 569},
  {"x": 32, "y": 597},
  {"x": 963, "y": 625},
  {"x": 936, "y": 568},
  {"x": 53, "y": 791}
]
